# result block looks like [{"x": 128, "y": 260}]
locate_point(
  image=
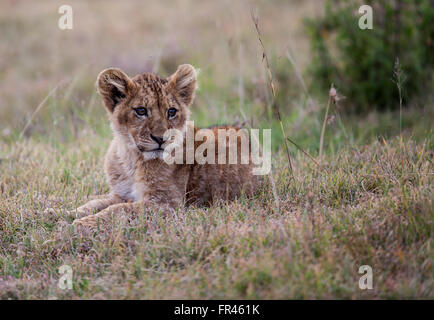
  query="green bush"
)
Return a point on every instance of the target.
[{"x": 362, "y": 63}]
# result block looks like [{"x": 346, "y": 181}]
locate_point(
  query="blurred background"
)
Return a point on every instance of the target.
[{"x": 47, "y": 75}]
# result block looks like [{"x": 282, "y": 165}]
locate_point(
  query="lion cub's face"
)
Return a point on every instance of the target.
[{"x": 143, "y": 108}]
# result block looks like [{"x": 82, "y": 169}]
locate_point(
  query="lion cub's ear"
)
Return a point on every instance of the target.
[
  {"x": 184, "y": 82},
  {"x": 113, "y": 86}
]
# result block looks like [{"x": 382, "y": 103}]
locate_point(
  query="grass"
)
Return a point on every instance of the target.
[
  {"x": 366, "y": 201},
  {"x": 371, "y": 205}
]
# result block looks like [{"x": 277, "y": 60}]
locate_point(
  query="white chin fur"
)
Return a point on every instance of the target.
[{"x": 151, "y": 155}]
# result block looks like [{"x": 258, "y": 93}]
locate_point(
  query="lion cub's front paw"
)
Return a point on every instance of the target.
[
  {"x": 90, "y": 222},
  {"x": 79, "y": 212}
]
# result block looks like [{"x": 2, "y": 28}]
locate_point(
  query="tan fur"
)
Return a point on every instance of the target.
[{"x": 138, "y": 177}]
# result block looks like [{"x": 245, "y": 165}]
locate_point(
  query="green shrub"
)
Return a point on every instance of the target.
[{"x": 361, "y": 62}]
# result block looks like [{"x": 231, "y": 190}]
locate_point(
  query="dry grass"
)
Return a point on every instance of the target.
[
  {"x": 141, "y": 36},
  {"x": 369, "y": 206},
  {"x": 370, "y": 201}
]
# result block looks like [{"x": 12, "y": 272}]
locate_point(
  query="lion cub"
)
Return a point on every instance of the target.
[{"x": 141, "y": 110}]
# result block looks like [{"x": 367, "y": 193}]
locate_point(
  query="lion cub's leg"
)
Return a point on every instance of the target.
[
  {"x": 97, "y": 205},
  {"x": 105, "y": 215},
  {"x": 129, "y": 209}
]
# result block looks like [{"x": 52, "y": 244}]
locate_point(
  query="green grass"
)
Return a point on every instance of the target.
[
  {"x": 370, "y": 202},
  {"x": 366, "y": 205}
]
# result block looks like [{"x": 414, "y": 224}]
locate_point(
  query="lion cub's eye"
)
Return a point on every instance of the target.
[
  {"x": 171, "y": 113},
  {"x": 141, "y": 111}
]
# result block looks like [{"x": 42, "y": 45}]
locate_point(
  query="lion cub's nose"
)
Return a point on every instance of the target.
[{"x": 158, "y": 140}]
